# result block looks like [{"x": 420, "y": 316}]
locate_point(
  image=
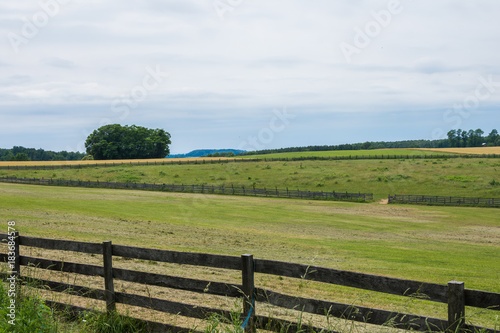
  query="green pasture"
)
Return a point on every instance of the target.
[
  {"x": 335, "y": 153},
  {"x": 432, "y": 244},
  {"x": 473, "y": 177}
]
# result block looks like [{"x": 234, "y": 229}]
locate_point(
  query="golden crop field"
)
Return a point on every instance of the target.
[
  {"x": 135, "y": 161},
  {"x": 470, "y": 150}
]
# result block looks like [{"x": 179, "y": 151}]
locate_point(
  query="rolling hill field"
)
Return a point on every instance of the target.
[
  {"x": 431, "y": 244},
  {"x": 478, "y": 177},
  {"x": 346, "y": 153}
]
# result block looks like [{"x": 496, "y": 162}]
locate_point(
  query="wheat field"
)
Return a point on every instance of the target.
[
  {"x": 91, "y": 162},
  {"x": 467, "y": 151}
]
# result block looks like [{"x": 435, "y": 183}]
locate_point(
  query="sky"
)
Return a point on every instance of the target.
[{"x": 247, "y": 74}]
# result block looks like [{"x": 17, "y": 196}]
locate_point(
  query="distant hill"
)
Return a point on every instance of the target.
[{"x": 205, "y": 152}]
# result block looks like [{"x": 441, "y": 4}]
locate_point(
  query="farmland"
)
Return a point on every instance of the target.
[
  {"x": 378, "y": 152},
  {"x": 472, "y": 150},
  {"x": 432, "y": 244},
  {"x": 476, "y": 177},
  {"x": 346, "y": 153}
]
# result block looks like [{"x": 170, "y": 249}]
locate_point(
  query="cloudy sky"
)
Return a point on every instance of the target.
[{"x": 249, "y": 74}]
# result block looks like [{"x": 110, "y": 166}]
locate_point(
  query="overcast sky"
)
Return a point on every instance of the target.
[{"x": 249, "y": 74}]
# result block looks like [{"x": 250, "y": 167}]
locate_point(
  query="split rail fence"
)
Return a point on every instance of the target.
[
  {"x": 209, "y": 189},
  {"x": 454, "y": 294},
  {"x": 444, "y": 200}
]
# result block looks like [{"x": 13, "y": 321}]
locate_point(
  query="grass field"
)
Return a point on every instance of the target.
[
  {"x": 306, "y": 154},
  {"x": 428, "y": 243},
  {"x": 334, "y": 153},
  {"x": 450, "y": 177},
  {"x": 433, "y": 244}
]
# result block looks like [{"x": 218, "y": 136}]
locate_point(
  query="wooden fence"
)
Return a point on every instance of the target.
[
  {"x": 209, "y": 189},
  {"x": 381, "y": 157},
  {"x": 454, "y": 294},
  {"x": 71, "y": 165},
  {"x": 444, "y": 200}
]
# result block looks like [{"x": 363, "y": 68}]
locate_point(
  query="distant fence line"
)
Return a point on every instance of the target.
[
  {"x": 453, "y": 294},
  {"x": 444, "y": 200},
  {"x": 380, "y": 157},
  {"x": 208, "y": 189},
  {"x": 239, "y": 160}
]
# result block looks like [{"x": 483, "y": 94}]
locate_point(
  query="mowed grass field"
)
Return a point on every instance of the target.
[
  {"x": 432, "y": 244},
  {"x": 477, "y": 177},
  {"x": 380, "y": 152},
  {"x": 353, "y": 153}
]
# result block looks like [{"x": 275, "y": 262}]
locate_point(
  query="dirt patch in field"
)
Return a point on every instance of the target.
[{"x": 412, "y": 214}]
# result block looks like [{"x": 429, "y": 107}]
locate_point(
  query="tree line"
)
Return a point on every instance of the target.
[
  {"x": 456, "y": 138},
  {"x": 443, "y": 143},
  {"x": 135, "y": 142},
  {"x": 473, "y": 138},
  {"x": 107, "y": 142},
  {"x": 18, "y": 153}
]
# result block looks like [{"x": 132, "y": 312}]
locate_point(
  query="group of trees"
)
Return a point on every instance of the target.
[
  {"x": 107, "y": 142},
  {"x": 456, "y": 138},
  {"x": 127, "y": 142},
  {"x": 136, "y": 142},
  {"x": 359, "y": 146},
  {"x": 18, "y": 153},
  {"x": 473, "y": 138}
]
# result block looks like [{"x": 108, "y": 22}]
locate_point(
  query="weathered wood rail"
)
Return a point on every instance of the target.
[
  {"x": 206, "y": 189},
  {"x": 454, "y": 294},
  {"x": 444, "y": 200}
]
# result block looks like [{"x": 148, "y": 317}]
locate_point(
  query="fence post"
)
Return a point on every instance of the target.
[
  {"x": 109, "y": 289},
  {"x": 16, "y": 270},
  {"x": 456, "y": 306},
  {"x": 247, "y": 275}
]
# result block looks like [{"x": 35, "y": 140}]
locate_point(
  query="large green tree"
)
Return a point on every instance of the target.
[
  {"x": 127, "y": 142},
  {"x": 493, "y": 138}
]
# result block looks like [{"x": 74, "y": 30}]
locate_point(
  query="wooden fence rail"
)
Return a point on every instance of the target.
[
  {"x": 454, "y": 294},
  {"x": 208, "y": 189},
  {"x": 444, "y": 200}
]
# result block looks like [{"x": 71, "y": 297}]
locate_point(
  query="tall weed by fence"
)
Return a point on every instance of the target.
[{"x": 205, "y": 189}]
